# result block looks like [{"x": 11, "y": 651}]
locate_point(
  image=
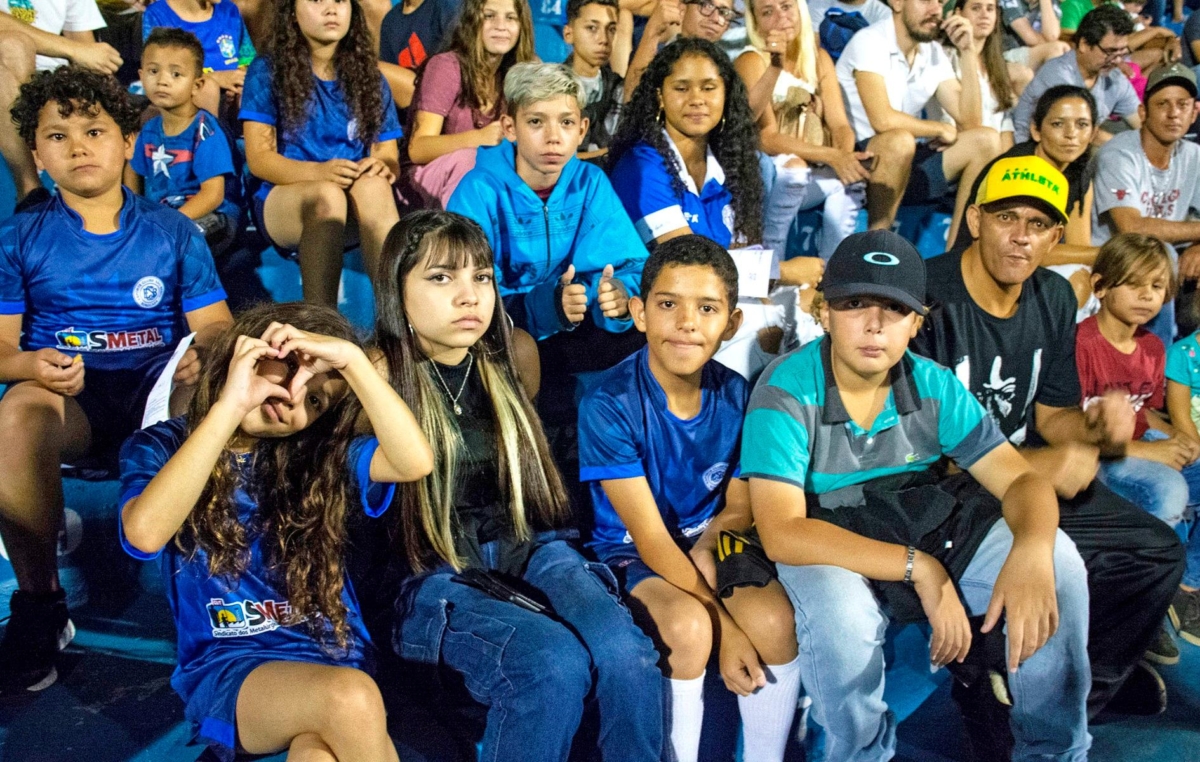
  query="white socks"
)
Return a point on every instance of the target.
[
  {"x": 687, "y": 716},
  {"x": 767, "y": 713}
]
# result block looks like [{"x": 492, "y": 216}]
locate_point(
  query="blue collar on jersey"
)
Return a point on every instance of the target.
[{"x": 123, "y": 222}]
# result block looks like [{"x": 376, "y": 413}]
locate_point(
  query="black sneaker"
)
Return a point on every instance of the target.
[
  {"x": 1143, "y": 693},
  {"x": 1163, "y": 649},
  {"x": 1185, "y": 615},
  {"x": 38, "y": 628}
]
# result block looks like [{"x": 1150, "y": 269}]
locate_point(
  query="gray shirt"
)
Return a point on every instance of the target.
[
  {"x": 1113, "y": 93},
  {"x": 1125, "y": 177}
]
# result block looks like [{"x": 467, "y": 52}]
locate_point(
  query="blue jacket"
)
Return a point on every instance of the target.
[{"x": 582, "y": 223}]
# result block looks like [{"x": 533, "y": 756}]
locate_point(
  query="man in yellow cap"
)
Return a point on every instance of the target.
[{"x": 1007, "y": 328}]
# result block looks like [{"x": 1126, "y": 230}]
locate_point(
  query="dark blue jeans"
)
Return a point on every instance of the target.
[{"x": 535, "y": 673}]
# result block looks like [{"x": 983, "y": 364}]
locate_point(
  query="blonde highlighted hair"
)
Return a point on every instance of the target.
[{"x": 529, "y": 481}]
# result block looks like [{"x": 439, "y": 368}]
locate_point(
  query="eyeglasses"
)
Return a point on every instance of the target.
[
  {"x": 708, "y": 8},
  {"x": 1112, "y": 53}
]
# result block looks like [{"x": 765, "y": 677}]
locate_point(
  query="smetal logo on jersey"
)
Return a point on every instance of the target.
[
  {"x": 881, "y": 258},
  {"x": 108, "y": 341},
  {"x": 240, "y": 619},
  {"x": 148, "y": 292}
]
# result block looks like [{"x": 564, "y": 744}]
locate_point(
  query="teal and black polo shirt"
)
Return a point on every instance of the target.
[{"x": 798, "y": 431}]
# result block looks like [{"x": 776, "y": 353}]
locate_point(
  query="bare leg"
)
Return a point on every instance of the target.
[
  {"x": 374, "y": 205},
  {"x": 895, "y": 149},
  {"x": 285, "y": 705},
  {"x": 528, "y": 362},
  {"x": 401, "y": 81},
  {"x": 375, "y": 10},
  {"x": 310, "y": 217},
  {"x": 41, "y": 430},
  {"x": 16, "y": 67},
  {"x": 309, "y": 748},
  {"x": 962, "y": 163},
  {"x": 678, "y": 624},
  {"x": 765, "y": 615}
]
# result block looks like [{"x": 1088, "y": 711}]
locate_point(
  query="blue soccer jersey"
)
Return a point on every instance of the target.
[
  {"x": 224, "y": 37},
  {"x": 174, "y": 166},
  {"x": 626, "y": 430},
  {"x": 643, "y": 180},
  {"x": 330, "y": 132},
  {"x": 225, "y": 628},
  {"x": 117, "y": 298}
]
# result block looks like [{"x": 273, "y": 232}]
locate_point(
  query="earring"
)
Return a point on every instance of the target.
[
  {"x": 721, "y": 124},
  {"x": 659, "y": 118}
]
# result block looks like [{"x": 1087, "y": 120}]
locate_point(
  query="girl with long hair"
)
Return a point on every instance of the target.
[
  {"x": 492, "y": 595},
  {"x": 996, "y": 75},
  {"x": 460, "y": 96},
  {"x": 244, "y": 503},
  {"x": 321, "y": 131},
  {"x": 802, "y": 125},
  {"x": 685, "y": 156},
  {"x": 1064, "y": 122}
]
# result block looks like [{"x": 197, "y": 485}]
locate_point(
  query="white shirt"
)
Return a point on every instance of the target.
[
  {"x": 55, "y": 17},
  {"x": 876, "y": 50},
  {"x": 1000, "y": 121}
]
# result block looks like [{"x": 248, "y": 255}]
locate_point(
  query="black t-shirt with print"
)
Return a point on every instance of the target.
[{"x": 1007, "y": 363}]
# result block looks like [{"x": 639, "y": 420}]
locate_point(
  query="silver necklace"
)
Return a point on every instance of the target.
[{"x": 455, "y": 397}]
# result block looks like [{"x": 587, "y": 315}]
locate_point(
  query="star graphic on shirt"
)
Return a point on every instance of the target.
[{"x": 162, "y": 158}]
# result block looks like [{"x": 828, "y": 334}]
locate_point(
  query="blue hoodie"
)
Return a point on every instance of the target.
[{"x": 582, "y": 223}]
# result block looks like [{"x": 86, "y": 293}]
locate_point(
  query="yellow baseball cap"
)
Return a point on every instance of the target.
[{"x": 1028, "y": 177}]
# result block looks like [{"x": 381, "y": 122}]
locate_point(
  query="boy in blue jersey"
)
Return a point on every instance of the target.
[
  {"x": 838, "y": 445},
  {"x": 551, "y": 219},
  {"x": 658, "y": 448},
  {"x": 97, "y": 273},
  {"x": 224, "y": 40},
  {"x": 182, "y": 157}
]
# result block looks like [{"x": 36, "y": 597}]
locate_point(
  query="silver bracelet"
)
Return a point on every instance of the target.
[{"x": 908, "y": 565}]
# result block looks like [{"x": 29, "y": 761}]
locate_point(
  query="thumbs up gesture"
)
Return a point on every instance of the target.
[
  {"x": 574, "y": 296},
  {"x": 611, "y": 296}
]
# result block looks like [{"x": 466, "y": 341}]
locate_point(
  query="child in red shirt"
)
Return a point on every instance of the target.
[{"x": 1132, "y": 278}]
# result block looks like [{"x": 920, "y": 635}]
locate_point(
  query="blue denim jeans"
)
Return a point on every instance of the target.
[
  {"x": 534, "y": 673},
  {"x": 1161, "y": 491},
  {"x": 840, "y": 626}
]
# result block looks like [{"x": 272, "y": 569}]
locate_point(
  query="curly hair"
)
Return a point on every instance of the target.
[
  {"x": 357, "y": 71},
  {"x": 298, "y": 484},
  {"x": 479, "y": 83},
  {"x": 75, "y": 90},
  {"x": 529, "y": 481},
  {"x": 735, "y": 144}
]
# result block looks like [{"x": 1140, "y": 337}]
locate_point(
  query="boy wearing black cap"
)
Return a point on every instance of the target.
[{"x": 838, "y": 444}]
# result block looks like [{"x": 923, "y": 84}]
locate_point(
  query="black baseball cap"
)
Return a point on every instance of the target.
[{"x": 876, "y": 263}]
